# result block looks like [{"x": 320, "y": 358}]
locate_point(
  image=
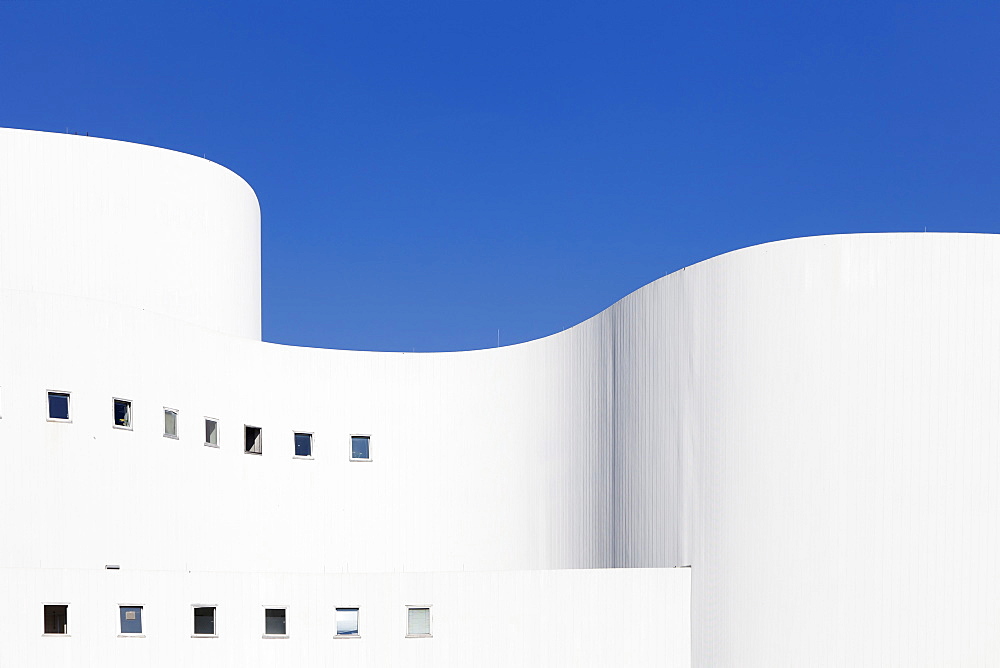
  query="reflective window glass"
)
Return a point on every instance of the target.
[
  {"x": 360, "y": 447},
  {"x": 347, "y": 621},
  {"x": 58, "y": 406}
]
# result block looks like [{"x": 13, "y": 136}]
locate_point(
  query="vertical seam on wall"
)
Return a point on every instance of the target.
[{"x": 616, "y": 518}]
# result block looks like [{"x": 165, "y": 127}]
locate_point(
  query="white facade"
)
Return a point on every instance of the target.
[{"x": 812, "y": 426}]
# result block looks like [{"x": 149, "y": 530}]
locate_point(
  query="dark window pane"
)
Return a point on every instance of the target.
[
  {"x": 55, "y": 619},
  {"x": 131, "y": 618},
  {"x": 359, "y": 447},
  {"x": 204, "y": 621},
  {"x": 252, "y": 440},
  {"x": 122, "y": 410},
  {"x": 58, "y": 406},
  {"x": 303, "y": 445},
  {"x": 274, "y": 621}
]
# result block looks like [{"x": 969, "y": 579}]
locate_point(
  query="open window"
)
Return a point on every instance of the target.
[
  {"x": 123, "y": 413},
  {"x": 56, "y": 619},
  {"x": 169, "y": 422},
  {"x": 59, "y": 406},
  {"x": 253, "y": 441},
  {"x": 211, "y": 432}
]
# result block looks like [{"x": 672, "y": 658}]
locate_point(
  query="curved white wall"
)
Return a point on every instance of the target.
[
  {"x": 848, "y": 456},
  {"x": 138, "y": 227},
  {"x": 810, "y": 425}
]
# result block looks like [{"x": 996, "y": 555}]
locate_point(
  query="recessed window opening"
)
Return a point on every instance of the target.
[
  {"x": 418, "y": 622},
  {"x": 361, "y": 448},
  {"x": 131, "y": 619},
  {"x": 170, "y": 423},
  {"x": 59, "y": 406},
  {"x": 303, "y": 444},
  {"x": 252, "y": 440},
  {"x": 212, "y": 432},
  {"x": 347, "y": 622},
  {"x": 204, "y": 621},
  {"x": 56, "y": 617},
  {"x": 274, "y": 622},
  {"x": 123, "y": 413}
]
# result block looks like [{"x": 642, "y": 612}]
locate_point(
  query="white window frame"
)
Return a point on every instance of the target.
[
  {"x": 260, "y": 440},
  {"x": 430, "y": 622},
  {"x": 350, "y": 445},
  {"x": 312, "y": 444},
  {"x": 266, "y": 635},
  {"x": 215, "y": 620},
  {"x": 131, "y": 418},
  {"x": 69, "y": 406},
  {"x": 130, "y": 635},
  {"x": 55, "y": 635},
  {"x": 204, "y": 430},
  {"x": 177, "y": 425}
]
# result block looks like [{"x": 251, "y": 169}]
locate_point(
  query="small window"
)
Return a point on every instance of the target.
[
  {"x": 170, "y": 423},
  {"x": 347, "y": 622},
  {"x": 418, "y": 622},
  {"x": 252, "y": 440},
  {"x": 204, "y": 621},
  {"x": 360, "y": 450},
  {"x": 123, "y": 413},
  {"x": 212, "y": 432},
  {"x": 274, "y": 622},
  {"x": 131, "y": 619},
  {"x": 59, "y": 406},
  {"x": 303, "y": 445},
  {"x": 56, "y": 619}
]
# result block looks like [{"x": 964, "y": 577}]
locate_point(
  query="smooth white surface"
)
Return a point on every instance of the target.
[
  {"x": 811, "y": 425},
  {"x": 490, "y": 619},
  {"x": 141, "y": 228}
]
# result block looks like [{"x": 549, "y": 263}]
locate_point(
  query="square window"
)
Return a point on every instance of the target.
[
  {"x": 170, "y": 423},
  {"x": 274, "y": 622},
  {"x": 252, "y": 440},
  {"x": 347, "y": 621},
  {"x": 123, "y": 413},
  {"x": 303, "y": 445},
  {"x": 204, "y": 621},
  {"x": 59, "y": 406},
  {"x": 55, "y": 619},
  {"x": 418, "y": 622},
  {"x": 131, "y": 619},
  {"x": 360, "y": 447},
  {"x": 212, "y": 432}
]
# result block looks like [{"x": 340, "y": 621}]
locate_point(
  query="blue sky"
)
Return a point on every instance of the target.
[{"x": 431, "y": 172}]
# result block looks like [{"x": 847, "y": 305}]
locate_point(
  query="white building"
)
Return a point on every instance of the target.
[{"x": 788, "y": 455}]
